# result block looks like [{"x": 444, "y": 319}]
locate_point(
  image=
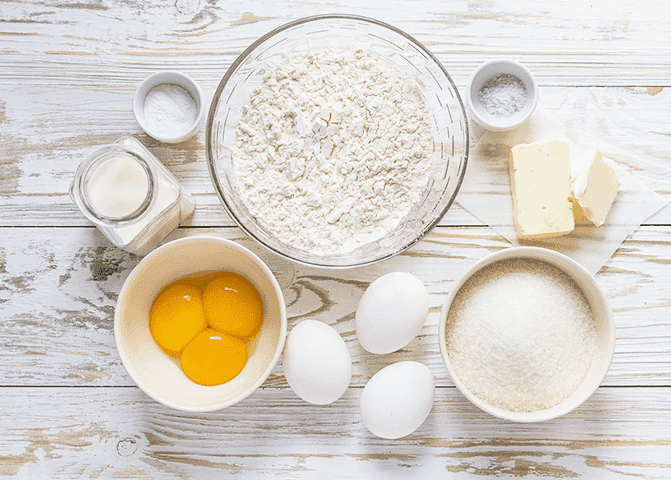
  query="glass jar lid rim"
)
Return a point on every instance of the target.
[{"x": 109, "y": 153}]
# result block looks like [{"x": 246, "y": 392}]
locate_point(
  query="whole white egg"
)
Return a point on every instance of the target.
[
  {"x": 391, "y": 312},
  {"x": 397, "y": 399},
  {"x": 317, "y": 362}
]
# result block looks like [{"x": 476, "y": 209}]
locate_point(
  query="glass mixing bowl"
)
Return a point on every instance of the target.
[{"x": 447, "y": 118}]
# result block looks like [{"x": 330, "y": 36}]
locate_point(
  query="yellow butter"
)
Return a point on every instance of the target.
[
  {"x": 541, "y": 187},
  {"x": 595, "y": 186}
]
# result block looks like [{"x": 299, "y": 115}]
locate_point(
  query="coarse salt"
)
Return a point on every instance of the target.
[
  {"x": 503, "y": 95},
  {"x": 520, "y": 335}
]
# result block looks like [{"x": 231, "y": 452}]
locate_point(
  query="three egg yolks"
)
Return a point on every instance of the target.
[{"x": 207, "y": 321}]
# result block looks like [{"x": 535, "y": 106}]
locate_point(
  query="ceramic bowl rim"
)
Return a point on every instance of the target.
[
  {"x": 169, "y": 77},
  {"x": 128, "y": 283},
  {"x": 489, "y": 69},
  {"x": 568, "y": 265}
]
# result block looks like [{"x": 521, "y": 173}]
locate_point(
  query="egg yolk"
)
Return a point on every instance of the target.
[
  {"x": 207, "y": 321},
  {"x": 176, "y": 317},
  {"x": 213, "y": 358},
  {"x": 233, "y": 305}
]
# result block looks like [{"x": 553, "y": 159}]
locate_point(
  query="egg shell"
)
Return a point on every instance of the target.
[
  {"x": 391, "y": 312},
  {"x": 397, "y": 399},
  {"x": 317, "y": 362}
]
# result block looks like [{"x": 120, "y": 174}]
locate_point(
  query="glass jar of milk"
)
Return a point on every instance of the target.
[{"x": 130, "y": 196}]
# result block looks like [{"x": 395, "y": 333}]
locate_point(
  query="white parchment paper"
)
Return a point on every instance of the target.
[{"x": 486, "y": 193}]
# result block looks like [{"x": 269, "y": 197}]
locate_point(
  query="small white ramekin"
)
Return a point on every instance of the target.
[
  {"x": 489, "y": 70},
  {"x": 169, "y": 77}
]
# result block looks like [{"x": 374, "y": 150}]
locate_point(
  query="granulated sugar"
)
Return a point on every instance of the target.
[{"x": 520, "y": 335}]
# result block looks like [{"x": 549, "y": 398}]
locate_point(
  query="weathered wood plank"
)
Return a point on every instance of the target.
[
  {"x": 67, "y": 76},
  {"x": 39, "y": 153},
  {"x": 68, "y": 90},
  {"x": 55, "y": 433},
  {"x": 614, "y": 43},
  {"x": 58, "y": 290}
]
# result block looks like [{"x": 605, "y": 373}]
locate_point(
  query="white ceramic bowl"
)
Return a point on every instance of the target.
[
  {"x": 156, "y": 373},
  {"x": 489, "y": 70},
  {"x": 603, "y": 318},
  {"x": 169, "y": 77}
]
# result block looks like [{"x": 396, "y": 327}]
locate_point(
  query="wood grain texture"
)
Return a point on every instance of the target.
[
  {"x": 93, "y": 433},
  {"x": 36, "y": 172},
  {"x": 108, "y": 48},
  {"x": 58, "y": 289},
  {"x": 68, "y": 71}
]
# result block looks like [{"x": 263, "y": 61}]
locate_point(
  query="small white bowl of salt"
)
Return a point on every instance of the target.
[
  {"x": 501, "y": 94},
  {"x": 527, "y": 334},
  {"x": 169, "y": 106}
]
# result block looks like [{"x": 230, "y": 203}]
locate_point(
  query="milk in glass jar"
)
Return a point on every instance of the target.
[{"x": 130, "y": 196}]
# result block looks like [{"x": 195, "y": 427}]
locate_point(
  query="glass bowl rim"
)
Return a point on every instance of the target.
[{"x": 214, "y": 105}]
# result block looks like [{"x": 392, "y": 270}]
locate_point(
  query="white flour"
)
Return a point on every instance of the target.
[{"x": 332, "y": 150}]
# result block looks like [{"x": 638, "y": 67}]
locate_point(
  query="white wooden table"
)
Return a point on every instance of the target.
[{"x": 68, "y": 409}]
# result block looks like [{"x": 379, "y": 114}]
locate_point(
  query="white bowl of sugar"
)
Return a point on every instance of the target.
[
  {"x": 501, "y": 94},
  {"x": 169, "y": 106},
  {"x": 527, "y": 334}
]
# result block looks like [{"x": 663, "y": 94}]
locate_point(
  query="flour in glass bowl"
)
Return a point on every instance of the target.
[{"x": 332, "y": 150}]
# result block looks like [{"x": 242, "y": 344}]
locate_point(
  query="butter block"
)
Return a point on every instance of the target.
[
  {"x": 540, "y": 178},
  {"x": 595, "y": 186}
]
